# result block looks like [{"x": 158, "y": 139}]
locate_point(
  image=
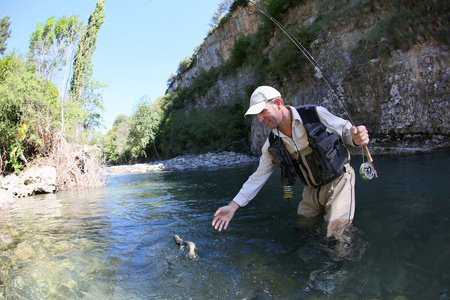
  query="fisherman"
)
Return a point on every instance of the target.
[{"x": 329, "y": 195}]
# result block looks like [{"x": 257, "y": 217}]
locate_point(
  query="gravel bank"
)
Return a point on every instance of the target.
[{"x": 187, "y": 162}]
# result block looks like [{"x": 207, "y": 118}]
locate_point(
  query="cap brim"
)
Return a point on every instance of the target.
[{"x": 255, "y": 109}]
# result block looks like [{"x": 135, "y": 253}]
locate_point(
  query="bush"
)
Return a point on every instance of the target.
[
  {"x": 202, "y": 130},
  {"x": 29, "y": 113},
  {"x": 408, "y": 23}
]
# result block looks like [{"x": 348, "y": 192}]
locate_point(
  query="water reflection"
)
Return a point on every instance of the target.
[{"x": 116, "y": 242}]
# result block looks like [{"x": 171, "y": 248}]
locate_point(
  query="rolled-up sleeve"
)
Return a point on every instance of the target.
[{"x": 257, "y": 180}]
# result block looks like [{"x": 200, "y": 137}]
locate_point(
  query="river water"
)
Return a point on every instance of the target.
[{"x": 116, "y": 242}]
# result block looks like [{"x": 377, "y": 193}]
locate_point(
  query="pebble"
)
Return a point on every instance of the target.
[{"x": 188, "y": 162}]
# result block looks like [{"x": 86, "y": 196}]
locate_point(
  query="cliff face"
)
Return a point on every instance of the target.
[
  {"x": 216, "y": 47},
  {"x": 403, "y": 98}
]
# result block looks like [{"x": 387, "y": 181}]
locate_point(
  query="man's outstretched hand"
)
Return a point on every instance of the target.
[{"x": 223, "y": 216}]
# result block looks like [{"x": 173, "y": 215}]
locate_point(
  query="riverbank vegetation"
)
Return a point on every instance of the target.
[{"x": 49, "y": 100}]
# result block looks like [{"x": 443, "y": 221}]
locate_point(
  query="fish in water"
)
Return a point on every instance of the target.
[{"x": 190, "y": 245}]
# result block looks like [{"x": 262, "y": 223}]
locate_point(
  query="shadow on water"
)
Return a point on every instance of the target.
[{"x": 116, "y": 242}]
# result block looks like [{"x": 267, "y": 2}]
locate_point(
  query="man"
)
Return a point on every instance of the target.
[{"x": 335, "y": 200}]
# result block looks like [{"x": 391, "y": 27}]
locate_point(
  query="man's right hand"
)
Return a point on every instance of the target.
[{"x": 223, "y": 216}]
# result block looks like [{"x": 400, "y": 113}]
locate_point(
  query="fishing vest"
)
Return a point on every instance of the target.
[{"x": 320, "y": 163}]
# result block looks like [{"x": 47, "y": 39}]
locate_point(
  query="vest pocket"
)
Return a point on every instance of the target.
[{"x": 309, "y": 166}]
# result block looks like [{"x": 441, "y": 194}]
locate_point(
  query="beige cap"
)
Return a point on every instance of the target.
[{"x": 260, "y": 97}]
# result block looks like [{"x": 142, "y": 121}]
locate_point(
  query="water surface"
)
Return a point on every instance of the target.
[{"x": 116, "y": 242}]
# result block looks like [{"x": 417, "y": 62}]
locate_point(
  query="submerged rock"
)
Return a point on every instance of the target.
[{"x": 5, "y": 240}]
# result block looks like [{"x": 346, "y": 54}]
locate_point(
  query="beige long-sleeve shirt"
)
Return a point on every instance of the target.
[{"x": 298, "y": 142}]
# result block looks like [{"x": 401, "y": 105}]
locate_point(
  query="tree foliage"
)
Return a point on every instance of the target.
[
  {"x": 202, "y": 129},
  {"x": 143, "y": 128},
  {"x": 28, "y": 112},
  {"x": 5, "y": 33},
  {"x": 116, "y": 140},
  {"x": 83, "y": 88},
  {"x": 222, "y": 9},
  {"x": 82, "y": 64},
  {"x": 52, "y": 46},
  {"x": 407, "y": 23},
  {"x": 62, "y": 50},
  {"x": 184, "y": 65},
  {"x": 34, "y": 102},
  {"x": 51, "y": 50}
]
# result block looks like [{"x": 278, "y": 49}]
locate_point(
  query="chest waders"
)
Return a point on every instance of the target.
[{"x": 318, "y": 164}]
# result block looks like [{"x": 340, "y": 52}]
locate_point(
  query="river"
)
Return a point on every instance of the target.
[{"x": 116, "y": 242}]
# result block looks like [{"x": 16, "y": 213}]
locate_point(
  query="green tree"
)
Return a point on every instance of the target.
[
  {"x": 29, "y": 112},
  {"x": 222, "y": 10},
  {"x": 184, "y": 65},
  {"x": 92, "y": 106},
  {"x": 144, "y": 125},
  {"x": 52, "y": 47},
  {"x": 82, "y": 65},
  {"x": 116, "y": 140},
  {"x": 83, "y": 87},
  {"x": 5, "y": 33},
  {"x": 140, "y": 129},
  {"x": 62, "y": 50}
]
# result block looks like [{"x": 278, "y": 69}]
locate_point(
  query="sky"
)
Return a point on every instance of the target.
[{"x": 139, "y": 46}]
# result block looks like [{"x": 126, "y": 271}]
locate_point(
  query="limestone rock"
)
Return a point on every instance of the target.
[{"x": 34, "y": 181}]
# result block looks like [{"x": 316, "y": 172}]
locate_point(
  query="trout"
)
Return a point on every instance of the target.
[{"x": 190, "y": 245}]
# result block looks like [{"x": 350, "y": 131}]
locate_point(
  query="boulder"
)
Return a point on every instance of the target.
[
  {"x": 33, "y": 181},
  {"x": 43, "y": 180}
]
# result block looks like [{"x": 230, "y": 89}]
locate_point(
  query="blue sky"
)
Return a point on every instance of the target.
[{"x": 139, "y": 46}]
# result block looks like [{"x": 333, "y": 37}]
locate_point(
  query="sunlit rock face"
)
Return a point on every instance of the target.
[{"x": 402, "y": 98}]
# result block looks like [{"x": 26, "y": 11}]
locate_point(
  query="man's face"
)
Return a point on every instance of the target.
[{"x": 270, "y": 116}]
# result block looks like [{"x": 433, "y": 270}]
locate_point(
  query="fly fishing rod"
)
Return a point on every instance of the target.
[{"x": 367, "y": 169}]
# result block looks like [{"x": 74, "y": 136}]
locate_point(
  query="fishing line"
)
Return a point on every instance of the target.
[{"x": 367, "y": 170}]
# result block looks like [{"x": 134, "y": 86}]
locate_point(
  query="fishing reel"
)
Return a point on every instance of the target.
[{"x": 367, "y": 171}]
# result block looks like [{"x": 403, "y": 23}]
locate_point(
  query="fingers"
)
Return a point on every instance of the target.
[
  {"x": 219, "y": 224},
  {"x": 358, "y": 130},
  {"x": 224, "y": 227},
  {"x": 361, "y": 129},
  {"x": 223, "y": 216},
  {"x": 360, "y": 135},
  {"x": 216, "y": 223}
]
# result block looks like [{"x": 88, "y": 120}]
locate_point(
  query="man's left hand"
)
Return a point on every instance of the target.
[{"x": 360, "y": 135}]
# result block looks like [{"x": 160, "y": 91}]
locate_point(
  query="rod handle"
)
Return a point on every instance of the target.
[{"x": 366, "y": 151}]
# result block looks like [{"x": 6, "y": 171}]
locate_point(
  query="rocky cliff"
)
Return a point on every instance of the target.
[{"x": 403, "y": 97}]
